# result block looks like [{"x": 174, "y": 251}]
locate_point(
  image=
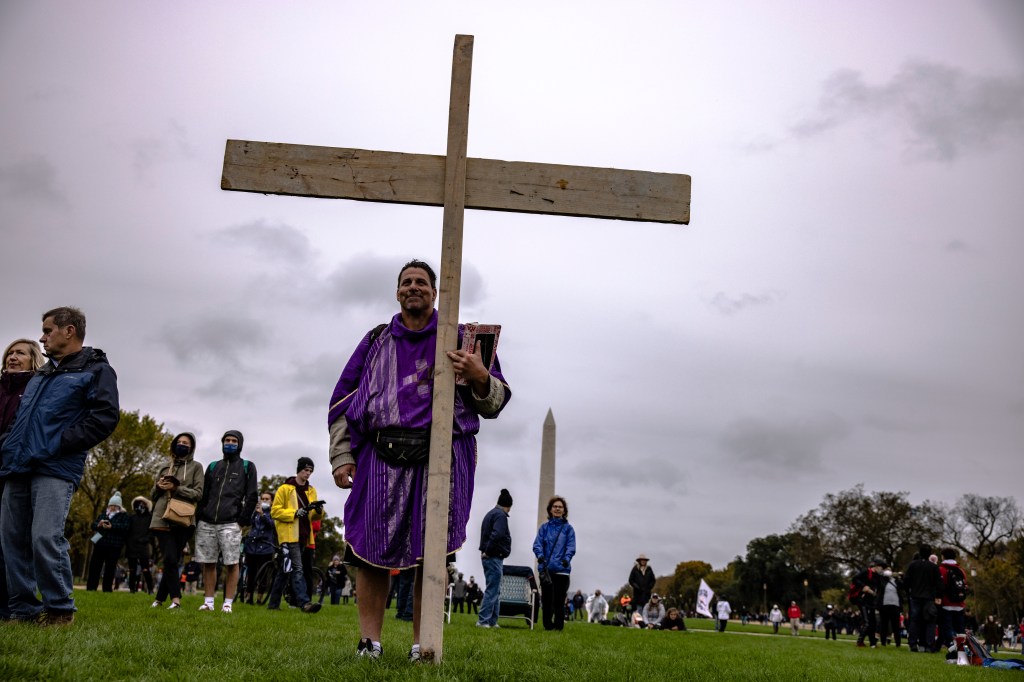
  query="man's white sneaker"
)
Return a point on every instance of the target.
[
  {"x": 206, "y": 607},
  {"x": 226, "y": 608},
  {"x": 155, "y": 605},
  {"x": 174, "y": 605}
]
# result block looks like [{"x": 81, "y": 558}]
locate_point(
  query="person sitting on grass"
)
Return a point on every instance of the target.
[
  {"x": 673, "y": 620},
  {"x": 653, "y": 611}
]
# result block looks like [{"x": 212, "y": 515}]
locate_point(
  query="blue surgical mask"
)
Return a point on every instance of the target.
[
  {"x": 181, "y": 449},
  {"x": 229, "y": 448}
]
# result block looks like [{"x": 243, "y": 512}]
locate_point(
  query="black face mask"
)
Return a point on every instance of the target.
[
  {"x": 140, "y": 509},
  {"x": 181, "y": 450}
]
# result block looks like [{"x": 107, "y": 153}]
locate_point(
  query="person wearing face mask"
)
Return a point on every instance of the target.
[
  {"x": 229, "y": 499},
  {"x": 889, "y": 603},
  {"x": 259, "y": 544},
  {"x": 110, "y": 534},
  {"x": 181, "y": 480},
  {"x": 138, "y": 549}
]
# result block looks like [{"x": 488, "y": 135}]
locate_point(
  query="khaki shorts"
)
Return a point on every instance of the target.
[{"x": 218, "y": 539}]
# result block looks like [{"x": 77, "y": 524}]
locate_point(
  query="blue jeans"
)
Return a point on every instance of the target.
[
  {"x": 291, "y": 571},
  {"x": 490, "y": 605},
  {"x": 35, "y": 549}
]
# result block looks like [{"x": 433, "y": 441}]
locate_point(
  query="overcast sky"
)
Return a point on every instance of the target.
[{"x": 844, "y": 307}]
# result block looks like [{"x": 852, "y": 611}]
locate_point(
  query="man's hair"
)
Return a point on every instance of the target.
[
  {"x": 35, "y": 355},
  {"x": 565, "y": 505},
  {"x": 65, "y": 316},
  {"x": 948, "y": 553},
  {"x": 924, "y": 550},
  {"x": 422, "y": 266}
]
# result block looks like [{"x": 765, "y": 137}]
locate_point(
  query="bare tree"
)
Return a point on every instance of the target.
[{"x": 980, "y": 526}]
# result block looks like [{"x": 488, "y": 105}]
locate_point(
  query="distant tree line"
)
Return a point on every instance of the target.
[{"x": 811, "y": 563}]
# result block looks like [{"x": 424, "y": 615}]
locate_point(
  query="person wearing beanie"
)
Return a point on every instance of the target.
[
  {"x": 294, "y": 509},
  {"x": 229, "y": 499},
  {"x": 495, "y": 545},
  {"x": 138, "y": 548},
  {"x": 110, "y": 532},
  {"x": 379, "y": 419},
  {"x": 181, "y": 481}
]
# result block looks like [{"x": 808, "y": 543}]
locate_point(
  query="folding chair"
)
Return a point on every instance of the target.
[
  {"x": 517, "y": 595},
  {"x": 448, "y": 604}
]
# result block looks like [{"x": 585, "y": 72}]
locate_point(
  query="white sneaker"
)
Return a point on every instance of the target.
[
  {"x": 206, "y": 607},
  {"x": 174, "y": 605},
  {"x": 226, "y": 608},
  {"x": 155, "y": 605}
]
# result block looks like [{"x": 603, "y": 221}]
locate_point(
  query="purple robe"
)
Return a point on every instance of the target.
[{"x": 390, "y": 383}]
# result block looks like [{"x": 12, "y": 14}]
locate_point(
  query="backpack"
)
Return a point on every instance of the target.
[
  {"x": 245, "y": 467},
  {"x": 956, "y": 585},
  {"x": 856, "y": 591}
]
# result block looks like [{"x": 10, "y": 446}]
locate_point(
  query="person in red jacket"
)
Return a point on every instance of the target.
[
  {"x": 954, "y": 594},
  {"x": 794, "y": 614}
]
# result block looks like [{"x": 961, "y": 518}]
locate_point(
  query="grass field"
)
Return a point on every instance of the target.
[{"x": 119, "y": 637}]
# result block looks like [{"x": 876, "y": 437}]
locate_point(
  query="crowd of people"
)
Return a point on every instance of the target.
[{"x": 53, "y": 411}]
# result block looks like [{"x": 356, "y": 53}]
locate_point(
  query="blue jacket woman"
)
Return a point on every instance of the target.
[{"x": 554, "y": 547}]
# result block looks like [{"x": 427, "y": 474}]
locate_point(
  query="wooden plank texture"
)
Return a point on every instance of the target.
[
  {"x": 364, "y": 175},
  {"x": 435, "y": 545}
]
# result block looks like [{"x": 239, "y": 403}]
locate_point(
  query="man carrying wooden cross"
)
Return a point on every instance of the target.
[{"x": 379, "y": 421}]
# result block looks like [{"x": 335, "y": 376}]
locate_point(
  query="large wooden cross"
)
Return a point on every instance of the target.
[{"x": 457, "y": 183}]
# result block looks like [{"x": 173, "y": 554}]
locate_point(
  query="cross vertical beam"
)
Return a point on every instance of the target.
[{"x": 435, "y": 546}]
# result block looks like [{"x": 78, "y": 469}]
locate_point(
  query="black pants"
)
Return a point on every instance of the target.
[
  {"x": 552, "y": 599},
  {"x": 137, "y": 565},
  {"x": 830, "y": 628},
  {"x": 172, "y": 543},
  {"x": 867, "y": 625},
  {"x": 923, "y": 617},
  {"x": 457, "y": 604},
  {"x": 104, "y": 558},
  {"x": 890, "y": 624},
  {"x": 253, "y": 564}
]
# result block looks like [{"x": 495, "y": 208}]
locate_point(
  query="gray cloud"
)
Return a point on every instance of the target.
[
  {"x": 367, "y": 279},
  {"x": 794, "y": 445},
  {"x": 730, "y": 305},
  {"x": 34, "y": 179},
  {"x": 218, "y": 340},
  {"x": 275, "y": 242},
  {"x": 148, "y": 152},
  {"x": 941, "y": 111},
  {"x": 956, "y": 246}
]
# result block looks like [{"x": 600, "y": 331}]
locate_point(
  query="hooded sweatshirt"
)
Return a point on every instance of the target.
[
  {"x": 229, "y": 490},
  {"x": 190, "y": 487}
]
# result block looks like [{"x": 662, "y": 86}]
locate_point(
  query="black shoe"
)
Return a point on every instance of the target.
[{"x": 311, "y": 607}]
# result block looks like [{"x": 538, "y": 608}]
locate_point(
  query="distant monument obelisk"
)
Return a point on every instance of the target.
[{"x": 547, "y": 468}]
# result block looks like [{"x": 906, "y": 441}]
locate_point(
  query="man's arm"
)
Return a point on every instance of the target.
[
  {"x": 251, "y": 495},
  {"x": 281, "y": 510},
  {"x": 343, "y": 464},
  {"x": 101, "y": 414}
]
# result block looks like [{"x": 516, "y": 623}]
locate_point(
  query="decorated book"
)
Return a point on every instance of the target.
[{"x": 486, "y": 337}]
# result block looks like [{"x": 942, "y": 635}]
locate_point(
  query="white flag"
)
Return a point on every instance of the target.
[{"x": 704, "y": 595}]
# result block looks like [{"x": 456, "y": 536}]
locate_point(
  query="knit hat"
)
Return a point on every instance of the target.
[
  {"x": 303, "y": 463},
  {"x": 115, "y": 500},
  {"x": 505, "y": 498}
]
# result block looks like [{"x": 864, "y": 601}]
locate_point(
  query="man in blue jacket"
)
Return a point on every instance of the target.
[
  {"x": 495, "y": 545},
  {"x": 69, "y": 406}
]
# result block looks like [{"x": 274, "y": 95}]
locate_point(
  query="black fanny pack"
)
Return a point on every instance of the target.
[{"x": 402, "y": 447}]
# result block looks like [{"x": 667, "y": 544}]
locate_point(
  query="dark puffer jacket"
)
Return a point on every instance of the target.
[{"x": 64, "y": 411}]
